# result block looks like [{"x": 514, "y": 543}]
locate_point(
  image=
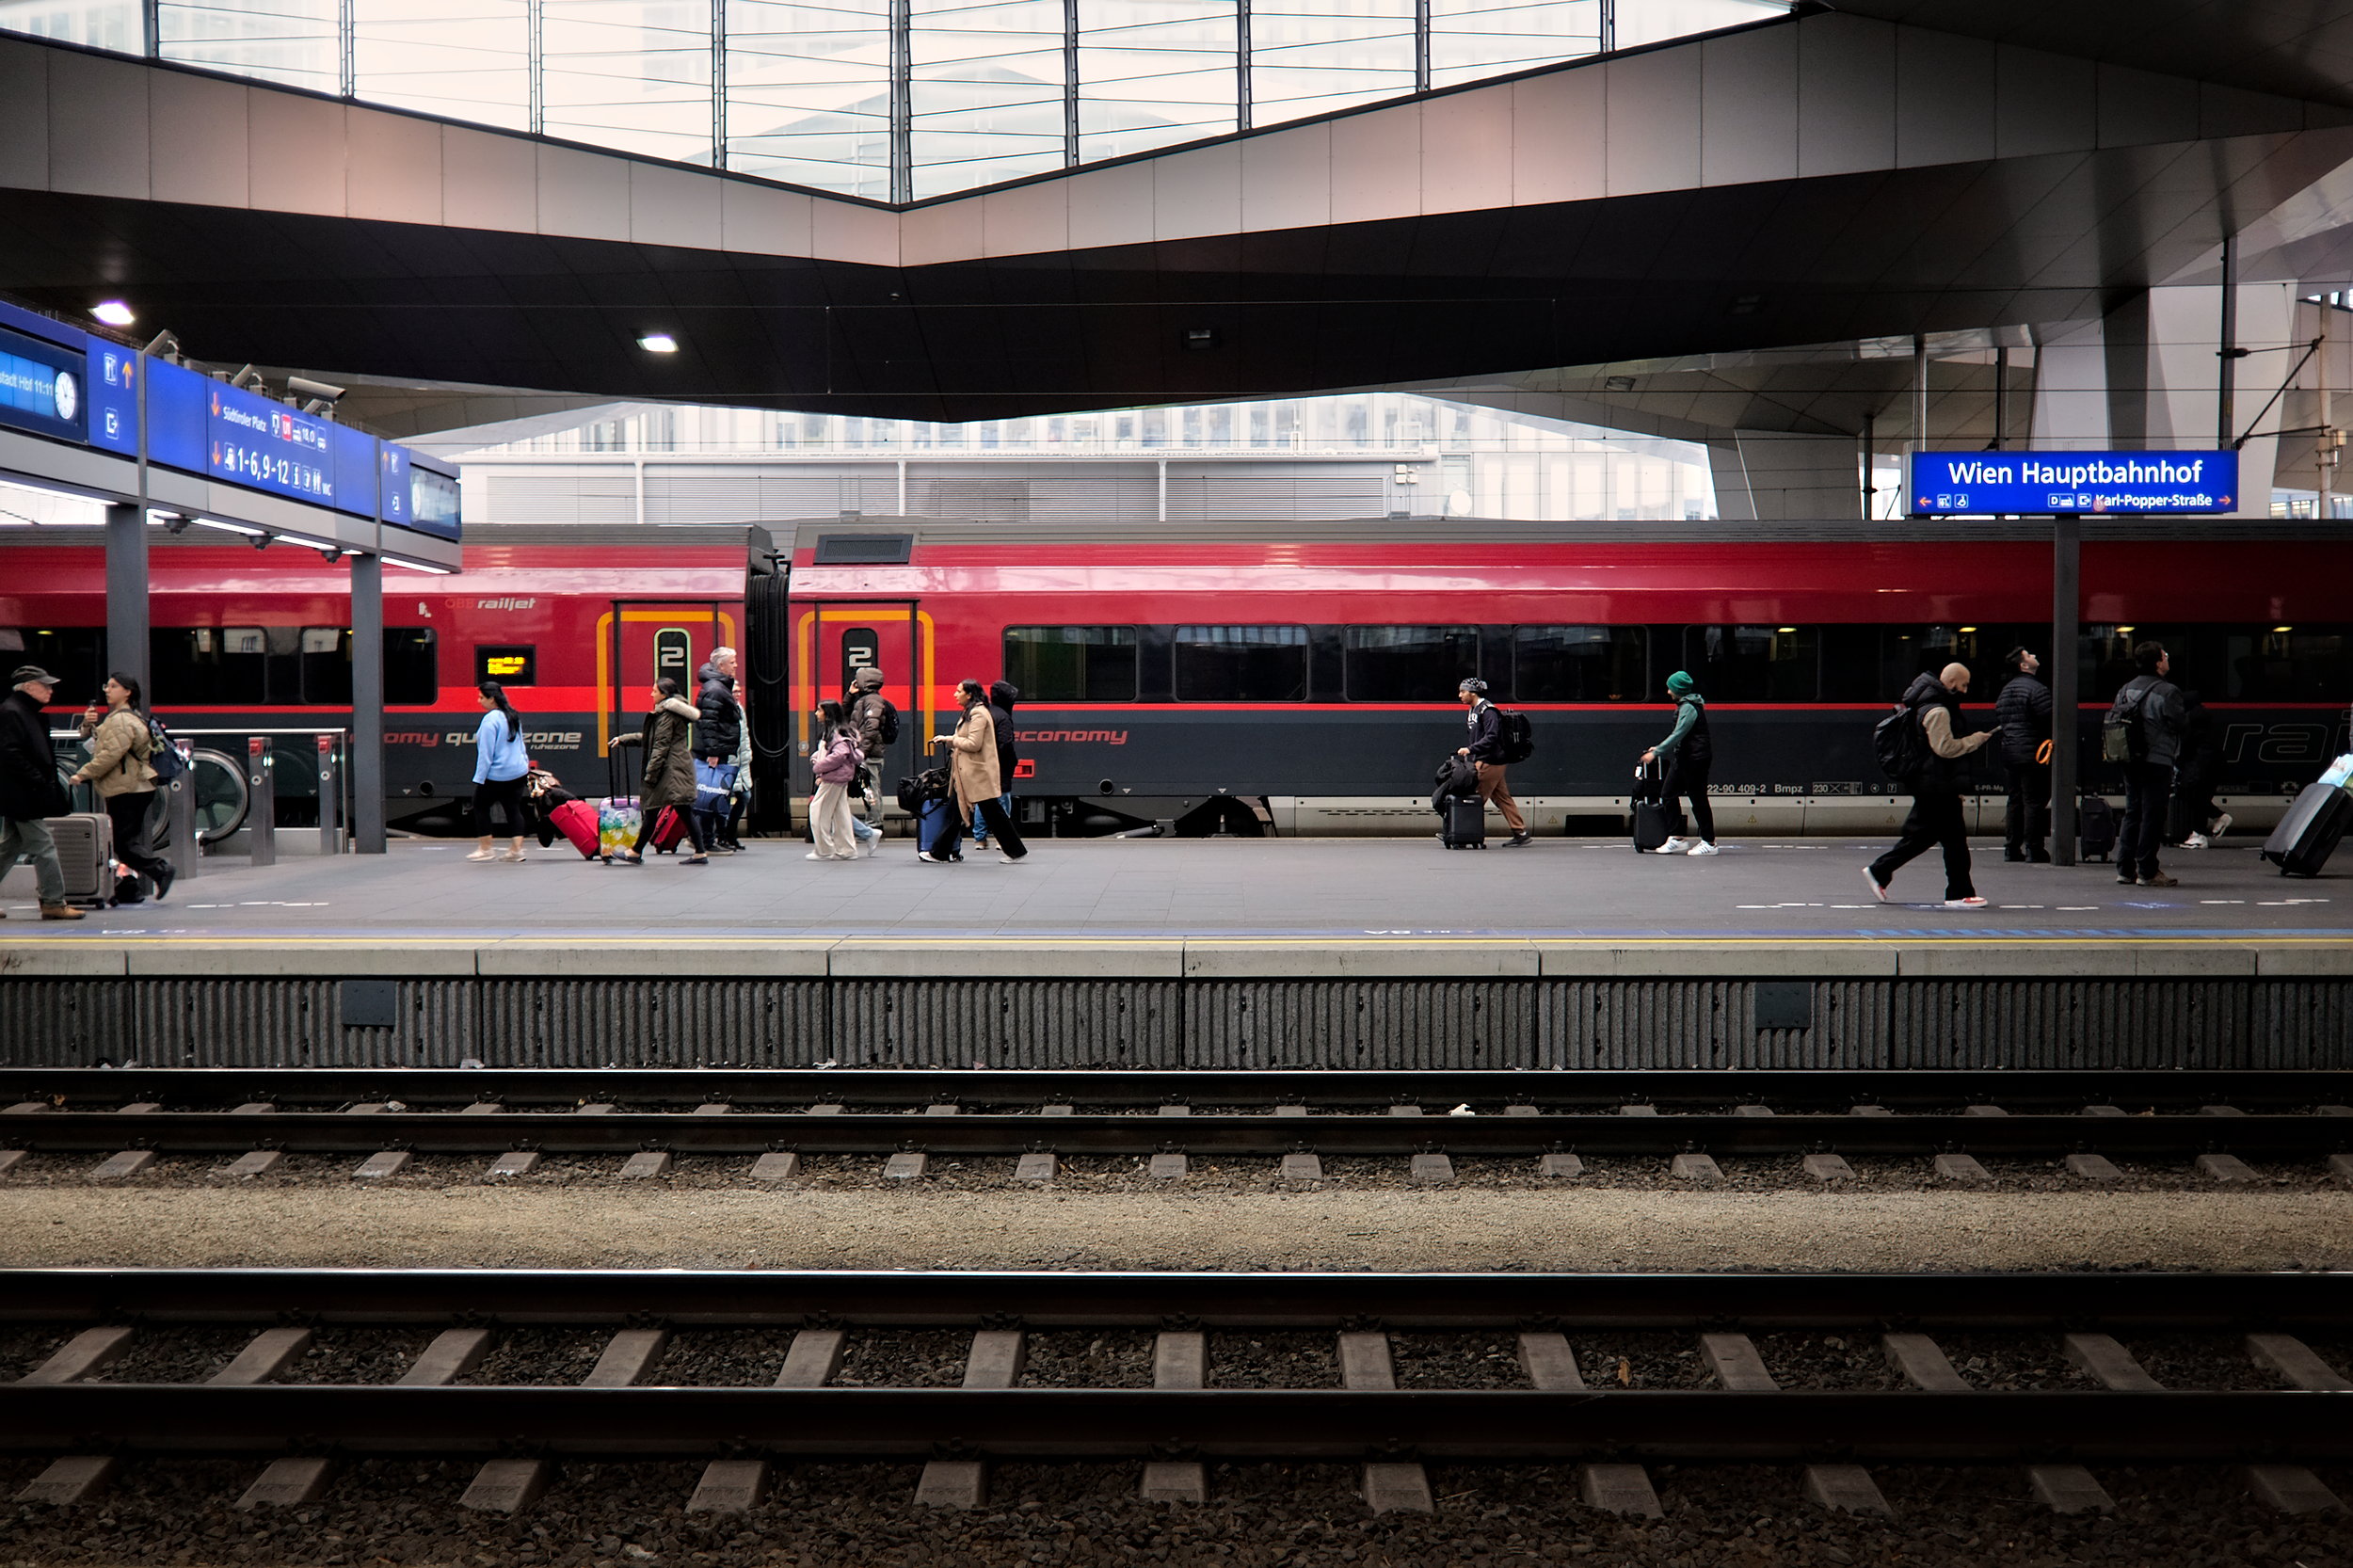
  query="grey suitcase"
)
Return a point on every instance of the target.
[
  {"x": 2309, "y": 831},
  {"x": 86, "y": 849}
]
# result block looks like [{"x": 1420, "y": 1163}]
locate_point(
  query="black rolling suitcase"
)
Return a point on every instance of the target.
[
  {"x": 1466, "y": 820},
  {"x": 1653, "y": 825},
  {"x": 2308, "y": 835},
  {"x": 2095, "y": 828}
]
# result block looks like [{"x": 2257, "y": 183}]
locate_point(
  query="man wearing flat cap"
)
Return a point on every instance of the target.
[{"x": 30, "y": 789}]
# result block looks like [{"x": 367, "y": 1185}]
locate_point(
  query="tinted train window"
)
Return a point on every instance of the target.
[
  {"x": 1241, "y": 663},
  {"x": 76, "y": 655},
  {"x": 211, "y": 666},
  {"x": 1908, "y": 652},
  {"x": 2284, "y": 663},
  {"x": 1408, "y": 663},
  {"x": 1072, "y": 663},
  {"x": 1579, "y": 664},
  {"x": 1754, "y": 663},
  {"x": 410, "y": 676}
]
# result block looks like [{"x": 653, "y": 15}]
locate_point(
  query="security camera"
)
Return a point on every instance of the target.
[
  {"x": 302, "y": 386},
  {"x": 164, "y": 345},
  {"x": 248, "y": 377}
]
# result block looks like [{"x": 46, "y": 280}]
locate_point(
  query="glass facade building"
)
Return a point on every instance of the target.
[
  {"x": 891, "y": 100},
  {"x": 1351, "y": 454}
]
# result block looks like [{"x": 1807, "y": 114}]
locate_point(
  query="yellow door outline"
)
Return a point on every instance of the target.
[
  {"x": 804, "y": 689},
  {"x": 604, "y": 659}
]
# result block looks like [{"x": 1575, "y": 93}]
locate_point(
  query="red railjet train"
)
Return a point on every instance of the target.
[{"x": 1234, "y": 678}]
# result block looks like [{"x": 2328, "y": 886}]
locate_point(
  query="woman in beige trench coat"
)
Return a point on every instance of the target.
[{"x": 973, "y": 782}]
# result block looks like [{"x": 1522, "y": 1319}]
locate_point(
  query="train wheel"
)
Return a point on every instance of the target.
[{"x": 221, "y": 796}]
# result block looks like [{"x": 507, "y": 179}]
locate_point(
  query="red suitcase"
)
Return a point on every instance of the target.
[
  {"x": 668, "y": 829},
  {"x": 577, "y": 821}
]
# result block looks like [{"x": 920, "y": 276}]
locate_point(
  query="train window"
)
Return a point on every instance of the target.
[
  {"x": 410, "y": 676},
  {"x": 76, "y": 655},
  {"x": 1754, "y": 663},
  {"x": 1579, "y": 664},
  {"x": 1241, "y": 663},
  {"x": 1072, "y": 663},
  {"x": 509, "y": 663},
  {"x": 1408, "y": 663},
  {"x": 210, "y": 667},
  {"x": 2282, "y": 663}
]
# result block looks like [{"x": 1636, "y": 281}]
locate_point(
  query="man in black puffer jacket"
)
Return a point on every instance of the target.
[
  {"x": 2022, "y": 715},
  {"x": 1002, "y": 695},
  {"x": 718, "y": 727}
]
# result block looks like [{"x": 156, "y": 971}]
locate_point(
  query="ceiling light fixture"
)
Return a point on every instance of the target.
[
  {"x": 114, "y": 313},
  {"x": 658, "y": 343}
]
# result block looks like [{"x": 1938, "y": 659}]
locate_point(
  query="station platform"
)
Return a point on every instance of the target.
[
  {"x": 1139, "y": 904},
  {"x": 1193, "y": 953}
]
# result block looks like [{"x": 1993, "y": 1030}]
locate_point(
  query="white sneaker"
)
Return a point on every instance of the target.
[
  {"x": 2220, "y": 825},
  {"x": 1703, "y": 847},
  {"x": 2197, "y": 840},
  {"x": 1877, "y": 891},
  {"x": 484, "y": 855},
  {"x": 813, "y": 855},
  {"x": 1971, "y": 903},
  {"x": 1675, "y": 846},
  {"x": 866, "y": 847}
]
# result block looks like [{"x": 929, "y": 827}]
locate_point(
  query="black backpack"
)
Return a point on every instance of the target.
[
  {"x": 1899, "y": 745},
  {"x": 1515, "y": 738},
  {"x": 163, "y": 754},
  {"x": 886, "y": 724}
]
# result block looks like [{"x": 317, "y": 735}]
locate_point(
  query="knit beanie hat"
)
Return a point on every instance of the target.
[{"x": 1679, "y": 684}]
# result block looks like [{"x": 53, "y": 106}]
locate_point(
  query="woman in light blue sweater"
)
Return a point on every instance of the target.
[{"x": 500, "y": 764}]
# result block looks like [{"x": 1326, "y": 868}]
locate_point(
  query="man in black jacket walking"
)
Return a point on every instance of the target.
[
  {"x": 30, "y": 789},
  {"x": 1934, "y": 703},
  {"x": 1486, "y": 754},
  {"x": 2021, "y": 716}
]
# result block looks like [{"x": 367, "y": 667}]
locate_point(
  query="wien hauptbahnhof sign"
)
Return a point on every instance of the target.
[{"x": 2045, "y": 483}]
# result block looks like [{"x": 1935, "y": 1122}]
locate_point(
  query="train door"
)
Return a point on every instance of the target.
[
  {"x": 838, "y": 640},
  {"x": 639, "y": 640}
]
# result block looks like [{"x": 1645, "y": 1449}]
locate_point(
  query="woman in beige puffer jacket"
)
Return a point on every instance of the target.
[{"x": 119, "y": 745}]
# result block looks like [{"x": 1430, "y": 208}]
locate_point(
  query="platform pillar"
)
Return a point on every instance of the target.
[
  {"x": 367, "y": 704},
  {"x": 2067, "y": 549},
  {"x": 127, "y": 597}
]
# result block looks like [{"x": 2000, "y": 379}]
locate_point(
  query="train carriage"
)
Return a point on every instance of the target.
[{"x": 1238, "y": 678}]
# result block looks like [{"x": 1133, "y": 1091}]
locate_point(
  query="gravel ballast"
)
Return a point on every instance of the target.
[{"x": 1567, "y": 1227}]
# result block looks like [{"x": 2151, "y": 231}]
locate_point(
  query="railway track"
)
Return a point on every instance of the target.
[
  {"x": 2259, "y": 1393},
  {"x": 2219, "y": 1120}
]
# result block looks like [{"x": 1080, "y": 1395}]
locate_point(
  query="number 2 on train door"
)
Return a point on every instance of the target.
[{"x": 674, "y": 656}]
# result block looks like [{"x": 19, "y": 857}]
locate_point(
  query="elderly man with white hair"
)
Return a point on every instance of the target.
[
  {"x": 1934, "y": 703},
  {"x": 30, "y": 789}
]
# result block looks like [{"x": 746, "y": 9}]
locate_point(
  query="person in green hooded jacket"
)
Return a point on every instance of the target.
[{"x": 1688, "y": 753}]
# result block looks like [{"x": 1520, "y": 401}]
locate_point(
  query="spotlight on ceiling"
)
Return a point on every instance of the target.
[
  {"x": 114, "y": 313},
  {"x": 658, "y": 343}
]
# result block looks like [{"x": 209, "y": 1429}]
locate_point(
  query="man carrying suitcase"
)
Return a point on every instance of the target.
[
  {"x": 30, "y": 789},
  {"x": 1486, "y": 754}
]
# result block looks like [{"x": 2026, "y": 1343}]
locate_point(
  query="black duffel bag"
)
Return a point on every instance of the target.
[{"x": 931, "y": 784}]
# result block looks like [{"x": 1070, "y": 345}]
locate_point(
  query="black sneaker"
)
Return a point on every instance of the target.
[{"x": 1516, "y": 840}]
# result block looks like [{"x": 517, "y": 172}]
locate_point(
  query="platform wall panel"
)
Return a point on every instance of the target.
[
  {"x": 2305, "y": 1024},
  {"x": 1349, "y": 1023},
  {"x": 2074, "y": 1023},
  {"x": 62, "y": 1023},
  {"x": 1007, "y": 1023},
  {"x": 1707, "y": 1023},
  {"x": 277, "y": 1022},
  {"x": 624, "y": 1023}
]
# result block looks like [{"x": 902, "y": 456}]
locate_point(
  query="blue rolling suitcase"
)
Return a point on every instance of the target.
[{"x": 931, "y": 821}]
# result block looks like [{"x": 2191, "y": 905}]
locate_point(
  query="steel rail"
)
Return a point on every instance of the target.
[
  {"x": 2072, "y": 1088},
  {"x": 2168, "y": 1427},
  {"x": 752, "y": 1132},
  {"x": 2308, "y": 1302}
]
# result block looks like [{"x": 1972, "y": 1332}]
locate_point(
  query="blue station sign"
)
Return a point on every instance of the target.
[{"x": 2046, "y": 484}]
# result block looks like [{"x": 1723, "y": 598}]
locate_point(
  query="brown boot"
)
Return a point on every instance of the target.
[{"x": 60, "y": 912}]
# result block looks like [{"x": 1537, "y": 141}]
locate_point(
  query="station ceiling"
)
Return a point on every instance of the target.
[{"x": 1903, "y": 166}]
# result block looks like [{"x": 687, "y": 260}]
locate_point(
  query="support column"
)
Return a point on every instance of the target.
[
  {"x": 126, "y": 594},
  {"x": 2067, "y": 533},
  {"x": 366, "y": 769}
]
